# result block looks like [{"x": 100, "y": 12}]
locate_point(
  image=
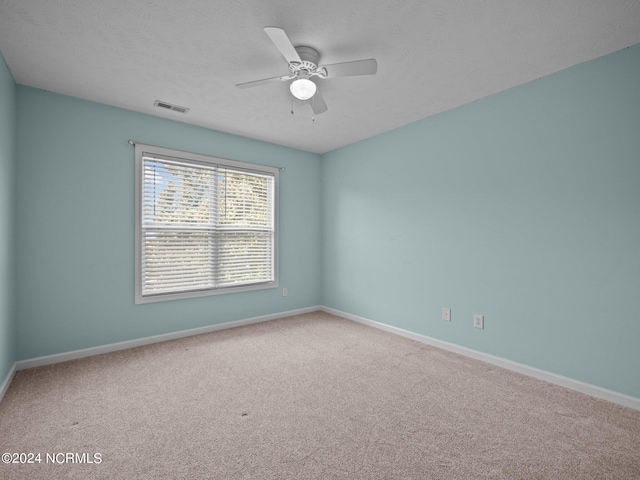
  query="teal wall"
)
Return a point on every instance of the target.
[
  {"x": 7, "y": 162},
  {"x": 523, "y": 207},
  {"x": 75, "y": 226}
]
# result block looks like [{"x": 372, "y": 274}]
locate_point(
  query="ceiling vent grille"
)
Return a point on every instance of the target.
[{"x": 168, "y": 106}]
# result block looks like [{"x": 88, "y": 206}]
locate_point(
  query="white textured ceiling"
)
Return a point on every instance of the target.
[{"x": 432, "y": 55}]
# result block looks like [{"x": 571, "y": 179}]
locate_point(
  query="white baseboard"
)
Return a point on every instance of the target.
[
  {"x": 113, "y": 347},
  {"x": 594, "y": 391},
  {"x": 582, "y": 387},
  {"x": 7, "y": 381}
]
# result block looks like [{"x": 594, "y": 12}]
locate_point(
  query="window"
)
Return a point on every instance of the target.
[{"x": 204, "y": 225}]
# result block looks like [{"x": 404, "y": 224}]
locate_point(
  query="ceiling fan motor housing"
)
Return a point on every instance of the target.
[{"x": 310, "y": 58}]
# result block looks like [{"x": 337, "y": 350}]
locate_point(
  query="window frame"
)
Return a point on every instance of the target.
[{"x": 140, "y": 150}]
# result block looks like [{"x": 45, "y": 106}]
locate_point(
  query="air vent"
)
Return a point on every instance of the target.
[{"x": 168, "y": 106}]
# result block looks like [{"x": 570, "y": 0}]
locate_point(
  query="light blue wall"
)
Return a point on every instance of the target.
[
  {"x": 524, "y": 207},
  {"x": 75, "y": 226},
  {"x": 7, "y": 162}
]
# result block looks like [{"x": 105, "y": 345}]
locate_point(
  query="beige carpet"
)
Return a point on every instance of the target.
[{"x": 307, "y": 397}]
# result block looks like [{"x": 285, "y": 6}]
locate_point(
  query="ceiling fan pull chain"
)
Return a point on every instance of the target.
[{"x": 291, "y": 105}]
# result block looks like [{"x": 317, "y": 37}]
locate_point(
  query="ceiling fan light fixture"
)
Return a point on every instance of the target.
[{"x": 303, "y": 88}]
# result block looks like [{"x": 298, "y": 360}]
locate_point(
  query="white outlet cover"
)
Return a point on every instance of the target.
[
  {"x": 478, "y": 321},
  {"x": 446, "y": 314}
]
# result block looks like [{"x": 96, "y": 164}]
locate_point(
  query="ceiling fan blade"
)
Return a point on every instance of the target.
[
  {"x": 352, "y": 69},
  {"x": 280, "y": 39},
  {"x": 257, "y": 83},
  {"x": 317, "y": 103}
]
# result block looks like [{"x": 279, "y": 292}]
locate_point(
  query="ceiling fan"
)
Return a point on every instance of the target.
[{"x": 303, "y": 65}]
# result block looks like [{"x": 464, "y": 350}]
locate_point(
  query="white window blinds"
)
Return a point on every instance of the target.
[{"x": 205, "y": 226}]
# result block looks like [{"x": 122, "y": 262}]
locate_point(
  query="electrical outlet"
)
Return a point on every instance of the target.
[
  {"x": 446, "y": 314},
  {"x": 284, "y": 292},
  {"x": 478, "y": 321}
]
